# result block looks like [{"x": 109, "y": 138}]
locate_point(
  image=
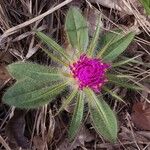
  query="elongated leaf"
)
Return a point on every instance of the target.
[
  {"x": 51, "y": 43},
  {"x": 105, "y": 48},
  {"x": 123, "y": 62},
  {"x": 118, "y": 47},
  {"x": 146, "y": 4},
  {"x": 67, "y": 101},
  {"x": 77, "y": 117},
  {"x": 117, "y": 97},
  {"x": 136, "y": 61},
  {"x": 44, "y": 74},
  {"x": 108, "y": 36},
  {"x": 54, "y": 57},
  {"x": 29, "y": 93},
  {"x": 77, "y": 30},
  {"x": 122, "y": 82},
  {"x": 102, "y": 116},
  {"x": 94, "y": 41}
]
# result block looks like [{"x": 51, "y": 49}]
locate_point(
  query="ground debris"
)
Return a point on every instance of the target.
[
  {"x": 83, "y": 136},
  {"x": 15, "y": 130},
  {"x": 4, "y": 76},
  {"x": 141, "y": 115}
]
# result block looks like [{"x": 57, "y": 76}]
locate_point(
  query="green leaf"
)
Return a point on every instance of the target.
[
  {"x": 126, "y": 61},
  {"x": 67, "y": 101},
  {"x": 113, "y": 94},
  {"x": 123, "y": 82},
  {"x": 77, "y": 117},
  {"x": 105, "y": 48},
  {"x": 30, "y": 93},
  {"x": 44, "y": 74},
  {"x": 94, "y": 41},
  {"x": 135, "y": 61},
  {"x": 51, "y": 43},
  {"x": 103, "y": 118},
  {"x": 76, "y": 29},
  {"x": 112, "y": 36},
  {"x": 146, "y": 4},
  {"x": 118, "y": 47},
  {"x": 54, "y": 57}
]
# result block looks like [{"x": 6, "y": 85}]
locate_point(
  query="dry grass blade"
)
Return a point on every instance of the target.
[
  {"x": 3, "y": 17},
  {"x": 28, "y": 22},
  {"x": 141, "y": 19},
  {"x": 2, "y": 141}
]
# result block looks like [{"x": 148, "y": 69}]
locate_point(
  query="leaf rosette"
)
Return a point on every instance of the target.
[{"x": 87, "y": 72}]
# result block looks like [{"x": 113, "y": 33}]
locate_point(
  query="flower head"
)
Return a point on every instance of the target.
[{"x": 89, "y": 72}]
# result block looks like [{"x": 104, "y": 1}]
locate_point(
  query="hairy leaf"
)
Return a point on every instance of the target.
[
  {"x": 113, "y": 36},
  {"x": 126, "y": 61},
  {"x": 123, "y": 82},
  {"x": 105, "y": 48},
  {"x": 54, "y": 57},
  {"x": 30, "y": 93},
  {"x": 51, "y": 43},
  {"x": 68, "y": 100},
  {"x": 77, "y": 30},
  {"x": 44, "y": 74},
  {"x": 117, "y": 97},
  {"x": 77, "y": 117},
  {"x": 118, "y": 47},
  {"x": 94, "y": 41},
  {"x": 102, "y": 116}
]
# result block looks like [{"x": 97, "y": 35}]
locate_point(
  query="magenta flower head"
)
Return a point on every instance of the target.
[{"x": 89, "y": 72}]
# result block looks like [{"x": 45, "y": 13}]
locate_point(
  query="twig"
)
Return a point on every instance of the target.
[
  {"x": 28, "y": 22},
  {"x": 3, "y": 142}
]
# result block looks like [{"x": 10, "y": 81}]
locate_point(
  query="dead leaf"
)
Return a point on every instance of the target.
[
  {"x": 117, "y": 5},
  {"x": 15, "y": 130},
  {"x": 83, "y": 136},
  {"x": 141, "y": 115},
  {"x": 127, "y": 135},
  {"x": 4, "y": 76},
  {"x": 31, "y": 52},
  {"x": 39, "y": 143},
  {"x": 6, "y": 57}
]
